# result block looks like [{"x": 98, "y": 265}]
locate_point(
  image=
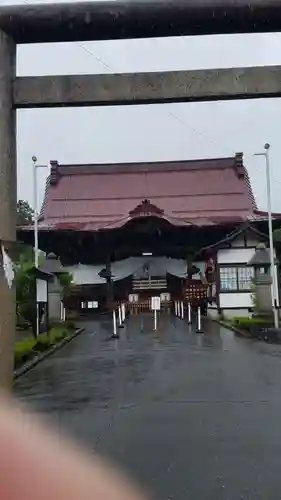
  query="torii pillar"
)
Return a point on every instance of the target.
[{"x": 8, "y": 205}]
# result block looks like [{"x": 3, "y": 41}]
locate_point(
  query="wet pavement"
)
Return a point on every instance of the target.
[{"x": 188, "y": 416}]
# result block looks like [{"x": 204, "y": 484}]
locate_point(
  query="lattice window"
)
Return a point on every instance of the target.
[
  {"x": 228, "y": 279},
  {"x": 245, "y": 277},
  {"x": 233, "y": 279},
  {"x": 92, "y": 304}
]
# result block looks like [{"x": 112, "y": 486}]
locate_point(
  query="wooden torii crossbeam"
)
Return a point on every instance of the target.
[
  {"x": 147, "y": 88},
  {"x": 119, "y": 19}
]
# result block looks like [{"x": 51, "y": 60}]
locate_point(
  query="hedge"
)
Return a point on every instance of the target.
[
  {"x": 251, "y": 321},
  {"x": 28, "y": 347},
  {"x": 252, "y": 325}
]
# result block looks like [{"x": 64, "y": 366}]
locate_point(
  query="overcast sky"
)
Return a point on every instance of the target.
[{"x": 157, "y": 132}]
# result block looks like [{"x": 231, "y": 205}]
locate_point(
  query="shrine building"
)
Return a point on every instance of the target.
[{"x": 178, "y": 230}]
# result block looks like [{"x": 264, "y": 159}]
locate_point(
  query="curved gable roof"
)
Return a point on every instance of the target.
[{"x": 199, "y": 192}]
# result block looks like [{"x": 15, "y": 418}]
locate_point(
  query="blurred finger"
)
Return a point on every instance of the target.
[{"x": 37, "y": 465}]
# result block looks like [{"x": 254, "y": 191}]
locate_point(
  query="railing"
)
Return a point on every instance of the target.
[
  {"x": 145, "y": 306},
  {"x": 146, "y": 284}
]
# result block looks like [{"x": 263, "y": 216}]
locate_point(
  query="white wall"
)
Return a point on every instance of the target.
[
  {"x": 252, "y": 241},
  {"x": 238, "y": 256},
  {"x": 235, "y": 255},
  {"x": 85, "y": 275},
  {"x": 235, "y": 300},
  {"x": 238, "y": 242}
]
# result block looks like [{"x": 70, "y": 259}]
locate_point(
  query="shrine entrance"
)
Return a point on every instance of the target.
[
  {"x": 194, "y": 294},
  {"x": 144, "y": 306}
]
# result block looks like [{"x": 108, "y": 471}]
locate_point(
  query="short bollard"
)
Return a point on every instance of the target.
[
  {"x": 189, "y": 313},
  {"x": 115, "y": 333},
  {"x": 120, "y": 321},
  {"x": 199, "y": 322},
  {"x": 123, "y": 310},
  {"x": 182, "y": 310},
  {"x": 155, "y": 321}
]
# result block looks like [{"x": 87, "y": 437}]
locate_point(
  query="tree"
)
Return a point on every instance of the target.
[
  {"x": 25, "y": 214},
  {"x": 66, "y": 281},
  {"x": 26, "y": 293},
  {"x": 277, "y": 235}
]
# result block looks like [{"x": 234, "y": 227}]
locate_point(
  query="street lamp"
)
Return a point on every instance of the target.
[
  {"x": 274, "y": 287},
  {"x": 35, "y": 204},
  {"x": 36, "y": 245}
]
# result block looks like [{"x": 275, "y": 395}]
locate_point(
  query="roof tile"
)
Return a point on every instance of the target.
[{"x": 100, "y": 196}]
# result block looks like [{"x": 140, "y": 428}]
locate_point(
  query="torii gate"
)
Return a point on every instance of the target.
[{"x": 102, "y": 20}]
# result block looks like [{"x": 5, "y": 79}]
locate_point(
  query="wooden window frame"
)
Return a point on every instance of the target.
[{"x": 235, "y": 266}]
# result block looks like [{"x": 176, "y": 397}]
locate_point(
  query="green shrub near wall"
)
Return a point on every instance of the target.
[
  {"x": 247, "y": 324},
  {"x": 28, "y": 347}
]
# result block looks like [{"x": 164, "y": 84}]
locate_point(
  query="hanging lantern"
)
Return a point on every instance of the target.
[{"x": 210, "y": 269}]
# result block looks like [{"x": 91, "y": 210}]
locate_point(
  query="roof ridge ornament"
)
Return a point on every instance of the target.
[
  {"x": 54, "y": 174},
  {"x": 145, "y": 209},
  {"x": 239, "y": 165}
]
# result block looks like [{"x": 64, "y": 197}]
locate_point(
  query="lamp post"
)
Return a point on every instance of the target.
[
  {"x": 36, "y": 244},
  {"x": 35, "y": 204},
  {"x": 274, "y": 287}
]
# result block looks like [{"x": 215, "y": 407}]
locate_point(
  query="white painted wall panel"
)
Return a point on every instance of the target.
[
  {"x": 241, "y": 300},
  {"x": 238, "y": 242},
  {"x": 85, "y": 275},
  {"x": 251, "y": 241},
  {"x": 235, "y": 255}
]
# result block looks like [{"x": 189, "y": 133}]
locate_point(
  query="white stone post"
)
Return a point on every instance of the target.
[
  {"x": 189, "y": 313},
  {"x": 123, "y": 309},
  {"x": 114, "y": 335},
  {"x": 182, "y": 310},
  {"x": 199, "y": 322},
  {"x": 155, "y": 320}
]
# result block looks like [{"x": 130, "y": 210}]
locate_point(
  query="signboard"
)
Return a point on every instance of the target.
[
  {"x": 165, "y": 297},
  {"x": 155, "y": 303},
  {"x": 133, "y": 298},
  {"x": 41, "y": 291}
]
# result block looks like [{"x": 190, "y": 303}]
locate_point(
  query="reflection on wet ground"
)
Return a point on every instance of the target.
[{"x": 189, "y": 416}]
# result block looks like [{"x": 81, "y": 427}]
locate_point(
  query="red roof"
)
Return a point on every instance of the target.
[{"x": 200, "y": 192}]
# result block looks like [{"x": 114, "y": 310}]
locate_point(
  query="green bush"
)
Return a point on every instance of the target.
[
  {"x": 249, "y": 324},
  {"x": 70, "y": 324},
  {"x": 250, "y": 321},
  {"x": 28, "y": 347},
  {"x": 24, "y": 350}
]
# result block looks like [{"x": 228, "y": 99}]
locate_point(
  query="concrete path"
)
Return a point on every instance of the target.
[{"x": 189, "y": 416}]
